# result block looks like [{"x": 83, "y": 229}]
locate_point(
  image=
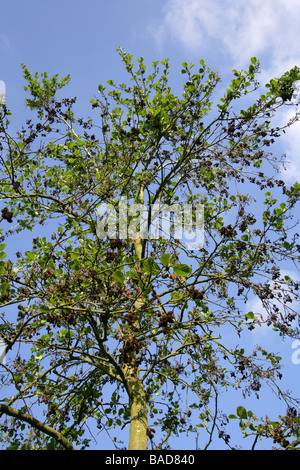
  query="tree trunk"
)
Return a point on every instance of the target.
[
  {"x": 137, "y": 400},
  {"x": 138, "y": 438}
]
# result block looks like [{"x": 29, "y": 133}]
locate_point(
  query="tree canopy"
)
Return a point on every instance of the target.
[{"x": 108, "y": 333}]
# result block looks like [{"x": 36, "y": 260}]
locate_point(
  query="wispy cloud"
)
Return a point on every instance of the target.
[
  {"x": 6, "y": 44},
  {"x": 240, "y": 29}
]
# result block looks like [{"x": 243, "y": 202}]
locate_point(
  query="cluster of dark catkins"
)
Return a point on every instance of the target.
[{"x": 6, "y": 214}]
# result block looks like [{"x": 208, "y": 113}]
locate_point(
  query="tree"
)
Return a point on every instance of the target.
[{"x": 112, "y": 330}]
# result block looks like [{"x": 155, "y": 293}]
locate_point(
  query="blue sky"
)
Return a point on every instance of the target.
[{"x": 80, "y": 38}]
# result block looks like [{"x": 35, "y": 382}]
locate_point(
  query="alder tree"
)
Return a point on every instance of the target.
[{"x": 141, "y": 335}]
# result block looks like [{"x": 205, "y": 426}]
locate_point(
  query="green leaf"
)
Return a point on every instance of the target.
[
  {"x": 232, "y": 417},
  {"x": 5, "y": 287},
  {"x": 241, "y": 412},
  {"x": 150, "y": 267},
  {"x": 109, "y": 422},
  {"x": 252, "y": 427},
  {"x": 176, "y": 296},
  {"x": 167, "y": 259},
  {"x": 44, "y": 309},
  {"x": 134, "y": 274},
  {"x": 182, "y": 270},
  {"x": 119, "y": 278},
  {"x": 250, "y": 315},
  {"x": 30, "y": 255}
]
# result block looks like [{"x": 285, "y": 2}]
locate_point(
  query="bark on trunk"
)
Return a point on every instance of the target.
[{"x": 138, "y": 438}]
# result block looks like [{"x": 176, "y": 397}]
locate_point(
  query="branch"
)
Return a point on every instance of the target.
[
  {"x": 38, "y": 425},
  {"x": 215, "y": 415},
  {"x": 293, "y": 445}
]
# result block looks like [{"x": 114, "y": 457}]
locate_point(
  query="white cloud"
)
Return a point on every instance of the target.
[{"x": 240, "y": 29}]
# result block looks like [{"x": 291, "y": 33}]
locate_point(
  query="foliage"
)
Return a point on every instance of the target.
[{"x": 119, "y": 331}]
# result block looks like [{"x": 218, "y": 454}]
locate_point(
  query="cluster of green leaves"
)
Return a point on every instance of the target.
[{"x": 285, "y": 432}]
